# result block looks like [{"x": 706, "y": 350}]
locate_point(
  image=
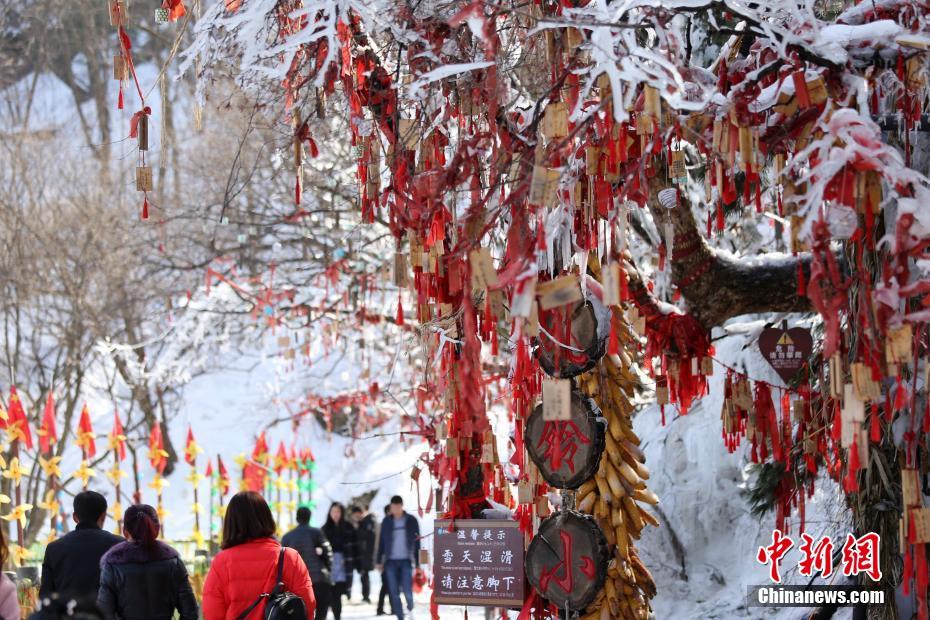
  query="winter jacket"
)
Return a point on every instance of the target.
[
  {"x": 240, "y": 574},
  {"x": 365, "y": 535},
  {"x": 9, "y": 599},
  {"x": 342, "y": 538},
  {"x": 71, "y": 566},
  {"x": 306, "y": 540},
  {"x": 136, "y": 582},
  {"x": 386, "y": 540}
]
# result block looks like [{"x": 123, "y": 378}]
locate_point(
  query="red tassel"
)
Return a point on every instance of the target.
[
  {"x": 400, "y": 311},
  {"x": 119, "y": 101},
  {"x": 851, "y": 484},
  {"x": 613, "y": 345},
  {"x": 875, "y": 429},
  {"x": 314, "y": 151},
  {"x": 802, "y": 289},
  {"x": 145, "y": 208},
  {"x": 297, "y": 190}
]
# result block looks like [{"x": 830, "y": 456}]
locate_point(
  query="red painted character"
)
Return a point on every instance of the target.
[
  {"x": 860, "y": 555},
  {"x": 567, "y": 581},
  {"x": 561, "y": 440},
  {"x": 817, "y": 557},
  {"x": 774, "y": 553}
]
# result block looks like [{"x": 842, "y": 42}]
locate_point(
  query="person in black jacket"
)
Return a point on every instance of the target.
[
  {"x": 366, "y": 530},
  {"x": 71, "y": 567},
  {"x": 317, "y": 554},
  {"x": 341, "y": 535},
  {"x": 143, "y": 578}
]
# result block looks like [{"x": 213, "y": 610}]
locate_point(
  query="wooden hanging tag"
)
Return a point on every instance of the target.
[
  {"x": 592, "y": 159},
  {"x": 746, "y": 157},
  {"x": 543, "y": 185},
  {"x": 636, "y": 320},
  {"x": 452, "y": 447},
  {"x": 836, "y": 376},
  {"x": 867, "y": 389},
  {"x": 707, "y": 366},
  {"x": 532, "y": 323},
  {"x": 119, "y": 15},
  {"x": 441, "y": 431},
  {"x": 409, "y": 133},
  {"x": 144, "y": 181},
  {"x": 524, "y": 492},
  {"x": 555, "y": 121},
  {"x": 921, "y": 518},
  {"x": 399, "y": 272},
  {"x": 852, "y": 416},
  {"x": 612, "y": 284},
  {"x": 662, "y": 396},
  {"x": 120, "y": 68},
  {"x": 677, "y": 171},
  {"x": 284, "y": 341},
  {"x": 797, "y": 411},
  {"x": 910, "y": 488},
  {"x": 559, "y": 292},
  {"x": 898, "y": 343},
  {"x": 810, "y": 445},
  {"x": 652, "y": 105},
  {"x": 483, "y": 274},
  {"x": 542, "y": 507},
  {"x": 557, "y": 399},
  {"x": 424, "y": 556},
  {"x": 143, "y": 132}
]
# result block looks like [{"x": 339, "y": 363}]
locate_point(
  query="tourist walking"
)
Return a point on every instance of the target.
[
  {"x": 341, "y": 535},
  {"x": 247, "y": 567},
  {"x": 71, "y": 567},
  {"x": 398, "y": 548},
  {"x": 366, "y": 531},
  {"x": 317, "y": 555},
  {"x": 383, "y": 592},
  {"x": 143, "y": 577}
]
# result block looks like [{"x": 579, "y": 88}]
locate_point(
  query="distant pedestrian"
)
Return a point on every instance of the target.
[
  {"x": 341, "y": 535},
  {"x": 366, "y": 531},
  {"x": 71, "y": 567},
  {"x": 383, "y": 593},
  {"x": 398, "y": 549},
  {"x": 144, "y": 577},
  {"x": 9, "y": 599},
  {"x": 247, "y": 567},
  {"x": 317, "y": 555}
]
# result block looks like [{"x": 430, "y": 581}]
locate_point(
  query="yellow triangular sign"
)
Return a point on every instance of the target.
[{"x": 785, "y": 339}]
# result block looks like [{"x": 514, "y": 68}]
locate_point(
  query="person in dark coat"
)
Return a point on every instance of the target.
[
  {"x": 383, "y": 594},
  {"x": 71, "y": 568},
  {"x": 366, "y": 530},
  {"x": 398, "y": 548},
  {"x": 341, "y": 536},
  {"x": 143, "y": 578},
  {"x": 317, "y": 554}
]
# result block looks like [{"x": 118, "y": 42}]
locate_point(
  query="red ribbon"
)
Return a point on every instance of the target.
[{"x": 134, "y": 122}]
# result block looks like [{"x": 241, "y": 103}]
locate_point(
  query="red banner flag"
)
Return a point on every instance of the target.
[
  {"x": 18, "y": 423},
  {"x": 281, "y": 459},
  {"x": 224, "y": 475},
  {"x": 191, "y": 448},
  {"x": 85, "y": 435},
  {"x": 118, "y": 438},
  {"x": 48, "y": 434},
  {"x": 158, "y": 457}
]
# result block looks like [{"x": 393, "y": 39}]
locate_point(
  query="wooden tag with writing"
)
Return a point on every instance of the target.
[
  {"x": 452, "y": 447},
  {"x": 524, "y": 492},
  {"x": 612, "y": 284},
  {"x": 559, "y": 292},
  {"x": 852, "y": 415},
  {"x": 910, "y": 488},
  {"x": 532, "y": 323},
  {"x": 662, "y": 396},
  {"x": 424, "y": 556},
  {"x": 921, "y": 518},
  {"x": 120, "y": 68},
  {"x": 898, "y": 345},
  {"x": 483, "y": 273},
  {"x": 144, "y": 181},
  {"x": 556, "y": 396},
  {"x": 542, "y": 507}
]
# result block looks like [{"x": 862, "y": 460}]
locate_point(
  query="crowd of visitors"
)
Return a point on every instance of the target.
[{"x": 305, "y": 575}]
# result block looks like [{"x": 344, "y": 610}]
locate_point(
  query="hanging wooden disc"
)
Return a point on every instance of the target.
[
  {"x": 567, "y": 560},
  {"x": 566, "y": 452},
  {"x": 572, "y": 338}
]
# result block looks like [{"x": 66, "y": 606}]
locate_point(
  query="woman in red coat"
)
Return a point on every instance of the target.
[{"x": 247, "y": 566}]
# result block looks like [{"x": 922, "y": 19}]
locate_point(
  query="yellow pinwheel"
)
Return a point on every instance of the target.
[
  {"x": 19, "y": 554},
  {"x": 52, "y": 537},
  {"x": 117, "y": 511},
  {"x": 18, "y": 514},
  {"x": 115, "y": 474},
  {"x": 292, "y": 485},
  {"x": 114, "y": 441},
  {"x": 191, "y": 451},
  {"x": 50, "y": 466},
  {"x": 5, "y": 499},
  {"x": 16, "y": 431},
  {"x": 280, "y": 483},
  {"x": 84, "y": 473},
  {"x": 158, "y": 484},
  {"x": 162, "y": 513},
  {"x": 14, "y": 472},
  {"x": 199, "y": 539},
  {"x": 50, "y": 503},
  {"x": 240, "y": 460},
  {"x": 194, "y": 478}
]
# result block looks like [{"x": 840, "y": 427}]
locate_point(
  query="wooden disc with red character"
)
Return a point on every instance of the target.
[
  {"x": 567, "y": 560},
  {"x": 567, "y": 452},
  {"x": 573, "y": 337}
]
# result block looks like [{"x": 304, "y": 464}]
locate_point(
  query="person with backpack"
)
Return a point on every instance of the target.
[
  {"x": 341, "y": 535},
  {"x": 253, "y": 576},
  {"x": 143, "y": 577},
  {"x": 317, "y": 555}
]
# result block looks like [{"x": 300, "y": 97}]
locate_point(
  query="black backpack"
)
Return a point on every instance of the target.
[{"x": 282, "y": 605}]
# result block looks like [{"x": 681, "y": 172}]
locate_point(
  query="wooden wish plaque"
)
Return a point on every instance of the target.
[
  {"x": 567, "y": 560},
  {"x": 478, "y": 562},
  {"x": 572, "y": 338},
  {"x": 786, "y": 350},
  {"x": 566, "y": 451}
]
